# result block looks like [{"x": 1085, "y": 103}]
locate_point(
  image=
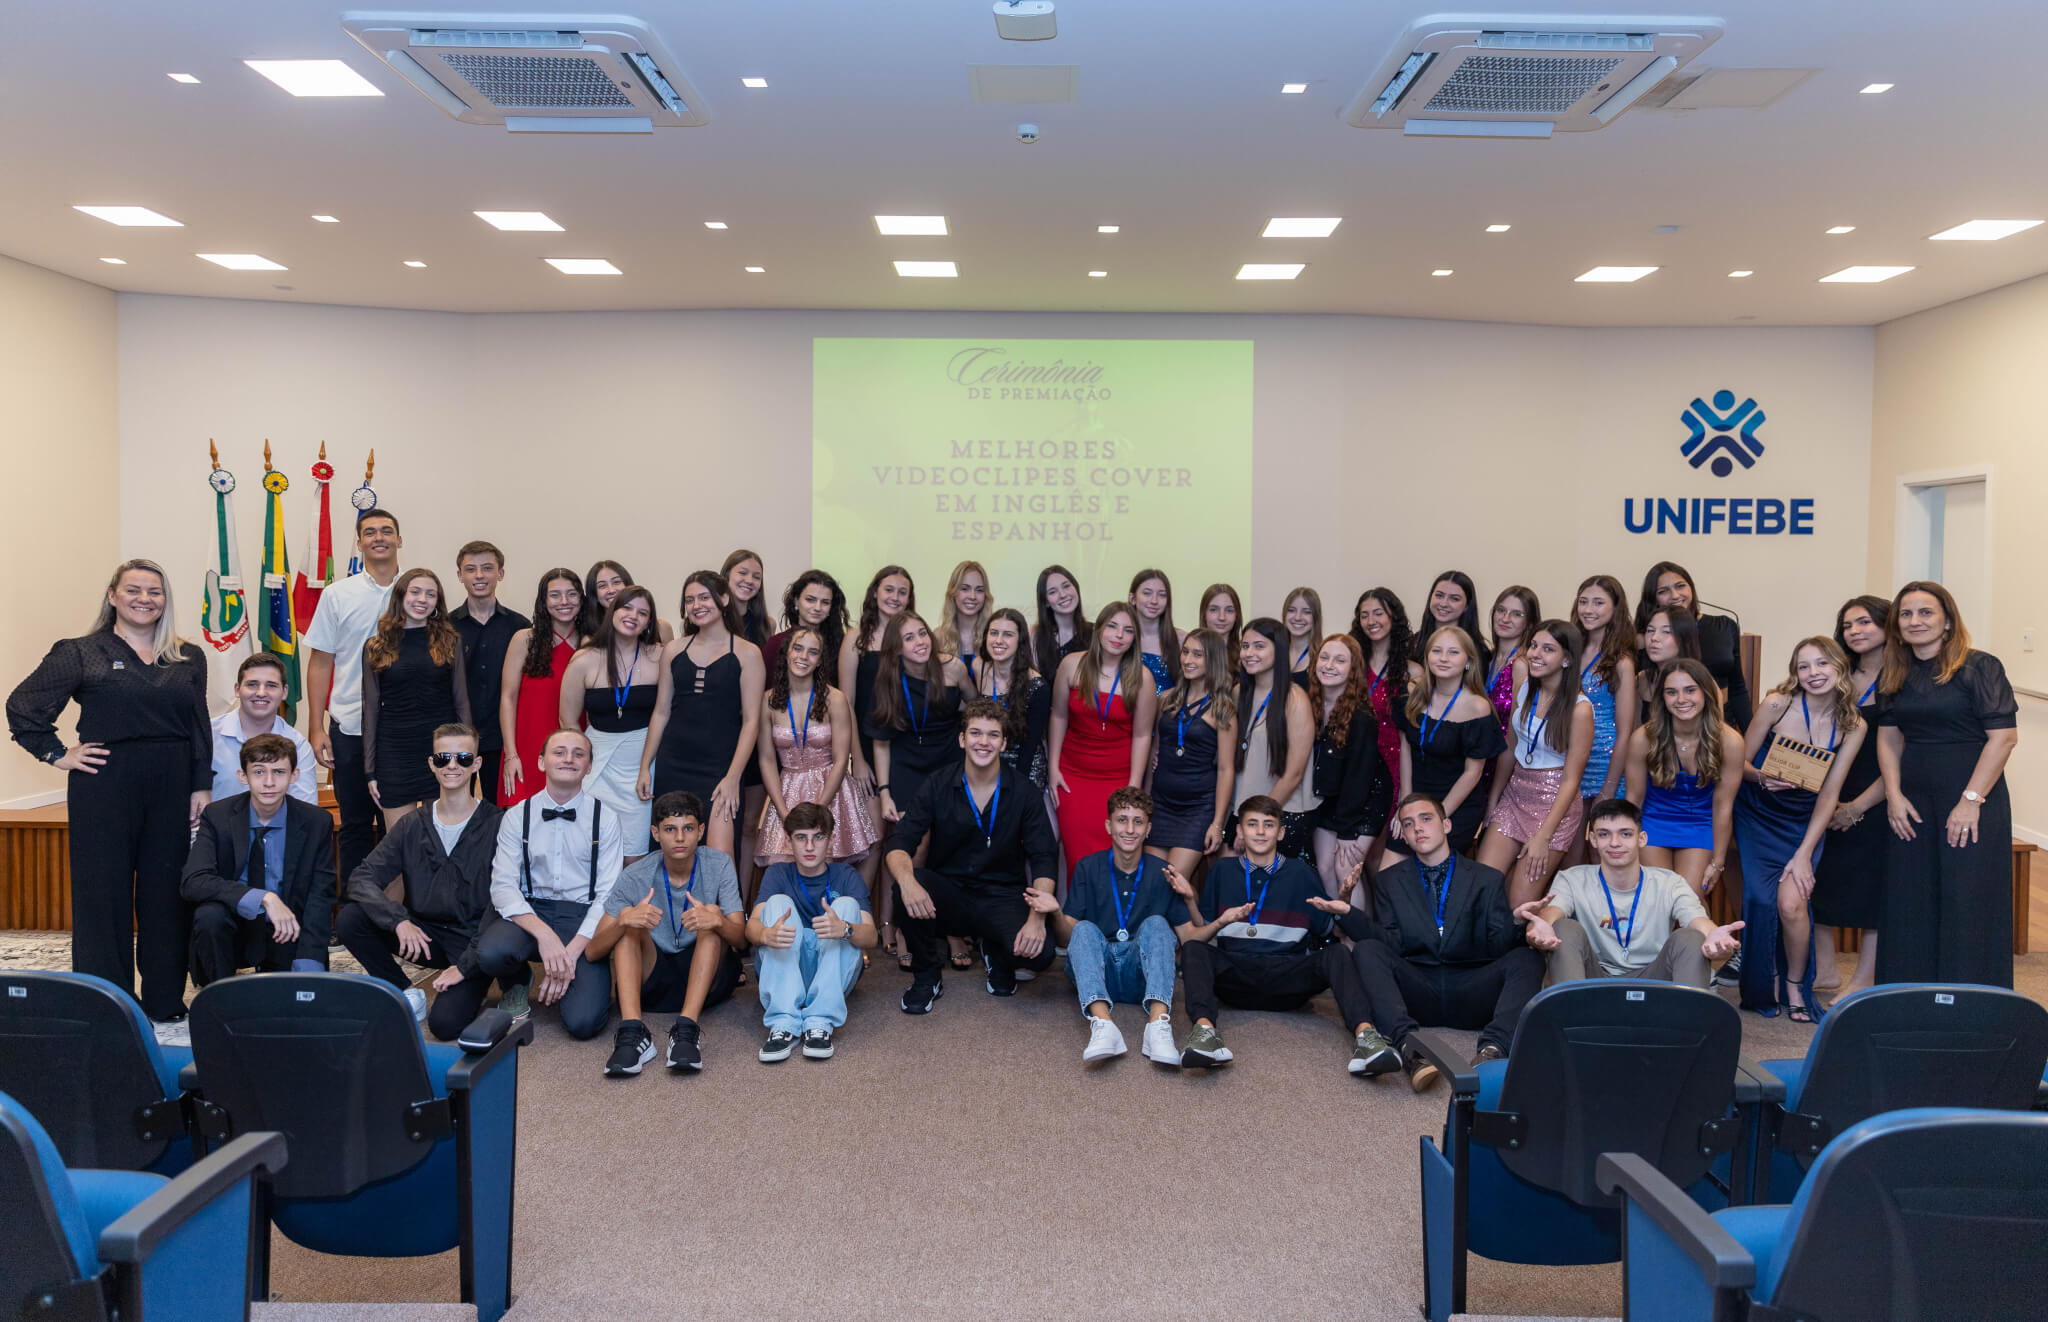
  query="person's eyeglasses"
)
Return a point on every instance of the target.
[{"x": 454, "y": 759}]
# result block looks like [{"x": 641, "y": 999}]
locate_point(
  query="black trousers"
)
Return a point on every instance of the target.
[
  {"x": 130, "y": 831},
  {"x": 1489, "y": 997},
  {"x": 505, "y": 953},
  {"x": 490, "y": 764},
  {"x": 359, "y": 816},
  {"x": 377, "y": 949},
  {"x": 1269, "y": 982},
  {"x": 965, "y": 909},
  {"x": 224, "y": 943}
]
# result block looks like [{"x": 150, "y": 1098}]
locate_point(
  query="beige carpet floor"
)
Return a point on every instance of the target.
[{"x": 966, "y": 1165}]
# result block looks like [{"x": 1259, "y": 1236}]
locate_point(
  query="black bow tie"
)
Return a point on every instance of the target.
[{"x": 566, "y": 814}]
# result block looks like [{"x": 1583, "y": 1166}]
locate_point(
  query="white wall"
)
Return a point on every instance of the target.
[
  {"x": 1385, "y": 450},
  {"x": 60, "y": 537},
  {"x": 1958, "y": 387}
]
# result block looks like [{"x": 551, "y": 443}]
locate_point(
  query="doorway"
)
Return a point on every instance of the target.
[{"x": 1943, "y": 534}]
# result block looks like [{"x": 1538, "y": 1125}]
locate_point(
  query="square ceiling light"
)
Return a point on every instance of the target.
[
  {"x": 753, "y": 82},
  {"x": 415, "y": 264},
  {"x": 1985, "y": 230},
  {"x": 1498, "y": 229},
  {"x": 129, "y": 216},
  {"x": 1270, "y": 270},
  {"x": 1863, "y": 275},
  {"x": 583, "y": 266},
  {"x": 240, "y": 261},
  {"x": 185, "y": 78},
  {"x": 931, "y": 270},
  {"x": 1613, "y": 275},
  {"x": 716, "y": 225},
  {"x": 1108, "y": 229},
  {"x": 1841, "y": 229},
  {"x": 315, "y": 77},
  {"x": 1293, "y": 89},
  {"x": 1875, "y": 89},
  {"x": 1301, "y": 227},
  {"x": 518, "y": 220},
  {"x": 899, "y": 225},
  {"x": 115, "y": 261}
]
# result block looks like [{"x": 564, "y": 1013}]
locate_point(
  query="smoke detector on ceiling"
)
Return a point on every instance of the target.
[
  {"x": 1025, "y": 20},
  {"x": 1523, "y": 76},
  {"x": 536, "y": 73}
]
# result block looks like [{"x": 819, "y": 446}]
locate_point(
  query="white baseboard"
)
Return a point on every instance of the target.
[
  {"x": 2030, "y": 836},
  {"x": 43, "y": 800}
]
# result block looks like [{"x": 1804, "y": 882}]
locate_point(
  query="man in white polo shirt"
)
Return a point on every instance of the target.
[
  {"x": 344, "y": 621},
  {"x": 259, "y": 691}
]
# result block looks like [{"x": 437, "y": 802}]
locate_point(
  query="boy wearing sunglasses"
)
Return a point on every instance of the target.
[{"x": 443, "y": 854}]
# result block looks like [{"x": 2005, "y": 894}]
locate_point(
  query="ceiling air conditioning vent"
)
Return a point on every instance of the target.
[
  {"x": 1523, "y": 76},
  {"x": 536, "y": 73}
]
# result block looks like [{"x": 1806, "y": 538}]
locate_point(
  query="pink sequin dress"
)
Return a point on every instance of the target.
[
  {"x": 1502, "y": 691},
  {"x": 1381, "y": 696},
  {"x": 803, "y": 781}
]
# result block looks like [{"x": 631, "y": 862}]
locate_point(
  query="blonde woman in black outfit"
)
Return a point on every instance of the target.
[{"x": 1848, "y": 888}]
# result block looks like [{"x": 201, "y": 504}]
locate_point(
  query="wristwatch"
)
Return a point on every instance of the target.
[{"x": 1973, "y": 796}]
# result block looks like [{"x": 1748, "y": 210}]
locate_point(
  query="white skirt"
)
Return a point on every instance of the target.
[{"x": 614, "y": 780}]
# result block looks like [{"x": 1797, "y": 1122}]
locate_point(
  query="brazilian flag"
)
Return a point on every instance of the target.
[{"x": 274, "y": 631}]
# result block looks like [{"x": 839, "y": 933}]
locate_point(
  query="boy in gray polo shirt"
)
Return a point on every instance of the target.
[
  {"x": 1619, "y": 919},
  {"x": 673, "y": 929}
]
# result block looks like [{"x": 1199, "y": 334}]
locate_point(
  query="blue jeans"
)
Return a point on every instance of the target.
[
  {"x": 805, "y": 986},
  {"x": 1133, "y": 972}
]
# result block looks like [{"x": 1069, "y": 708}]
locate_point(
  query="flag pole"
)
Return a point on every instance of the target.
[
  {"x": 274, "y": 631},
  {"x": 223, "y": 612}
]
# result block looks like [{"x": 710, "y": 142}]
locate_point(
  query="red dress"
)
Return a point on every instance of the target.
[
  {"x": 1095, "y": 759},
  {"x": 539, "y": 715},
  {"x": 1379, "y": 695}
]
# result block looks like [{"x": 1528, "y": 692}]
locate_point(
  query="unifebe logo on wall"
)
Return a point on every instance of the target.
[{"x": 1721, "y": 439}]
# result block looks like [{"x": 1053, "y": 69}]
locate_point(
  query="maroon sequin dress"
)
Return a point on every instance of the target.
[{"x": 1380, "y": 694}]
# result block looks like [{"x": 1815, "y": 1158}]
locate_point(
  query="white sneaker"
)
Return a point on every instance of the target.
[
  {"x": 177, "y": 1033},
  {"x": 1159, "y": 1047},
  {"x": 417, "y": 999},
  {"x": 1104, "y": 1041}
]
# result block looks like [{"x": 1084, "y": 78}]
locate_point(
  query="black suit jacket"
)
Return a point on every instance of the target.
[
  {"x": 213, "y": 870},
  {"x": 1479, "y": 927}
]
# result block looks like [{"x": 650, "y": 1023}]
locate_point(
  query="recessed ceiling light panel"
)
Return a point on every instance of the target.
[
  {"x": 899, "y": 225},
  {"x": 415, "y": 264},
  {"x": 1740, "y": 275},
  {"x": 1097, "y": 275},
  {"x": 715, "y": 225},
  {"x": 1293, "y": 89},
  {"x": 1498, "y": 229},
  {"x": 1874, "y": 89},
  {"x": 328, "y": 220},
  {"x": 115, "y": 261},
  {"x": 315, "y": 77},
  {"x": 753, "y": 82},
  {"x": 240, "y": 261},
  {"x": 129, "y": 216},
  {"x": 185, "y": 78},
  {"x": 1301, "y": 227},
  {"x": 928, "y": 270},
  {"x": 583, "y": 266},
  {"x": 1841, "y": 229},
  {"x": 1108, "y": 229},
  {"x": 755, "y": 270},
  {"x": 1863, "y": 275},
  {"x": 1985, "y": 230},
  {"x": 1270, "y": 270},
  {"x": 1613, "y": 275},
  {"x": 519, "y": 220},
  {"x": 1441, "y": 270}
]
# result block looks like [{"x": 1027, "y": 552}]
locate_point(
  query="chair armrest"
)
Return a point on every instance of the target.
[
  {"x": 188, "y": 1079},
  {"x": 1722, "y": 1261},
  {"x": 467, "y": 1072},
  {"x": 136, "y": 1233},
  {"x": 1754, "y": 1083},
  {"x": 1438, "y": 1051}
]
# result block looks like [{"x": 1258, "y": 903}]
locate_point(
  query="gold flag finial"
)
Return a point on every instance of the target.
[
  {"x": 214, "y": 451},
  {"x": 323, "y": 449},
  {"x": 266, "y": 454},
  {"x": 370, "y": 468}
]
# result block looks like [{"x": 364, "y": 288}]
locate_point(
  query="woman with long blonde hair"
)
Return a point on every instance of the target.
[
  {"x": 141, "y": 772},
  {"x": 964, "y": 615},
  {"x": 412, "y": 684},
  {"x": 1781, "y": 825},
  {"x": 1449, "y": 733},
  {"x": 1684, "y": 766}
]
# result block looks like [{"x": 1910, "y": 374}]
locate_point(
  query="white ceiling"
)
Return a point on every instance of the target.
[{"x": 1180, "y": 135}]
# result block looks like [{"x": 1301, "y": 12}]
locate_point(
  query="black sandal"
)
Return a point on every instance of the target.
[{"x": 1800, "y": 1014}]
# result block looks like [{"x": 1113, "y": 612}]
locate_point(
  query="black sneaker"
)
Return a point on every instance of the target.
[
  {"x": 778, "y": 1046},
  {"x": 1001, "y": 982},
  {"x": 818, "y": 1044},
  {"x": 682, "y": 1046},
  {"x": 920, "y": 998},
  {"x": 632, "y": 1047},
  {"x": 1730, "y": 974}
]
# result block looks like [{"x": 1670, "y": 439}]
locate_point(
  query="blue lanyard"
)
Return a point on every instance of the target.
[
  {"x": 1586, "y": 672},
  {"x": 1103, "y": 701},
  {"x": 1866, "y": 693},
  {"x": 988, "y": 828},
  {"x": 1123, "y": 912},
  {"x": 1808, "y": 716},
  {"x": 968, "y": 660},
  {"x": 1301, "y": 661},
  {"x": 1613, "y": 918},
  {"x": 619, "y": 695},
  {"x": 910, "y": 713},
  {"x": 1504, "y": 663},
  {"x": 1180, "y": 739},
  {"x": 1430, "y": 728},
  {"x": 1535, "y": 728},
  {"x": 1378, "y": 683},
  {"x": 803, "y": 736},
  {"x": 689, "y": 889},
  {"x": 1444, "y": 895},
  {"x": 1259, "y": 905},
  {"x": 829, "y": 896},
  {"x": 1244, "y": 744}
]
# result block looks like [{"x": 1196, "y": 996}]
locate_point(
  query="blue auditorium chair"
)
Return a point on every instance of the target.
[
  {"x": 80, "y": 1056},
  {"x": 1913, "y": 1216},
  {"x": 1896, "y": 1047},
  {"x": 399, "y": 1148},
  {"x": 97, "y": 1245},
  {"x": 1604, "y": 1065}
]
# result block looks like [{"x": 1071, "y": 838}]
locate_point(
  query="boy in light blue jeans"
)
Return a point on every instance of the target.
[
  {"x": 809, "y": 926},
  {"x": 1118, "y": 928}
]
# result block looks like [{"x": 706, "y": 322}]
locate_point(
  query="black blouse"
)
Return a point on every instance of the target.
[
  {"x": 121, "y": 698},
  {"x": 1350, "y": 780},
  {"x": 1721, "y": 650},
  {"x": 1976, "y": 698},
  {"x": 1439, "y": 763}
]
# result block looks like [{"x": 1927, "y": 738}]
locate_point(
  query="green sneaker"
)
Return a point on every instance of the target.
[
  {"x": 1373, "y": 1054},
  {"x": 1205, "y": 1049},
  {"x": 514, "y": 1002}
]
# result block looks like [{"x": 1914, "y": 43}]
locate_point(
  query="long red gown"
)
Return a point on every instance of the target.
[
  {"x": 1095, "y": 759},
  {"x": 539, "y": 715}
]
